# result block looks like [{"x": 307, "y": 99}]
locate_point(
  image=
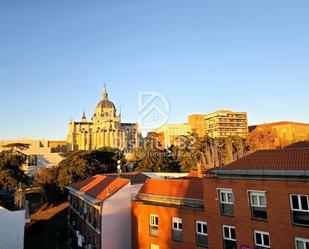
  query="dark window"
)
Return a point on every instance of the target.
[
  {"x": 229, "y": 237},
  {"x": 32, "y": 160},
  {"x": 227, "y": 202},
  {"x": 300, "y": 209},
  {"x": 261, "y": 239},
  {"x": 201, "y": 234},
  {"x": 154, "y": 225},
  {"x": 177, "y": 229},
  {"x": 258, "y": 205}
]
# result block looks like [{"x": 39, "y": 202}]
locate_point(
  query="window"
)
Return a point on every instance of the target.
[
  {"x": 227, "y": 202},
  {"x": 229, "y": 237},
  {"x": 154, "y": 246},
  {"x": 201, "y": 234},
  {"x": 32, "y": 160},
  {"x": 258, "y": 205},
  {"x": 262, "y": 239},
  {"x": 301, "y": 243},
  {"x": 177, "y": 229},
  {"x": 300, "y": 209},
  {"x": 154, "y": 225}
]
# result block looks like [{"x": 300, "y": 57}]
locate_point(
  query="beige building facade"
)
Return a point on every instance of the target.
[
  {"x": 171, "y": 132},
  {"x": 40, "y": 153},
  {"x": 104, "y": 129},
  {"x": 224, "y": 123},
  {"x": 198, "y": 124}
]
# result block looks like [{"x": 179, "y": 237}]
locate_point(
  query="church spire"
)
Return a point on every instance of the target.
[{"x": 105, "y": 94}]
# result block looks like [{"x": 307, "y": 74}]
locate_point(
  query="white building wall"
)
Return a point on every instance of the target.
[
  {"x": 12, "y": 225},
  {"x": 116, "y": 220}
]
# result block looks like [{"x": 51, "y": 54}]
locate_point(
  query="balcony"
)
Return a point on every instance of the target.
[
  {"x": 154, "y": 231},
  {"x": 227, "y": 209},
  {"x": 169, "y": 201}
]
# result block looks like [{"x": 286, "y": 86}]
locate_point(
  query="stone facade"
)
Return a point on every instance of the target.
[{"x": 104, "y": 129}]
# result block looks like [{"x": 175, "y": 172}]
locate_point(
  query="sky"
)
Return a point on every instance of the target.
[{"x": 200, "y": 55}]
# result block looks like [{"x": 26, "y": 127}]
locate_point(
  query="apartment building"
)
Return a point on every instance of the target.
[
  {"x": 259, "y": 201},
  {"x": 99, "y": 215},
  {"x": 170, "y": 133},
  {"x": 225, "y": 123},
  {"x": 40, "y": 153},
  {"x": 198, "y": 124}
]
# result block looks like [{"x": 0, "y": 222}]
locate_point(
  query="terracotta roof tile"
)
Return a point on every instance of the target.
[
  {"x": 280, "y": 159},
  {"x": 134, "y": 177},
  {"x": 175, "y": 188},
  {"x": 99, "y": 186}
]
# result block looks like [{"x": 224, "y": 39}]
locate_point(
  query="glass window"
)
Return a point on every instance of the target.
[
  {"x": 262, "y": 239},
  {"x": 201, "y": 234},
  {"x": 227, "y": 202},
  {"x": 32, "y": 160},
  {"x": 258, "y": 205},
  {"x": 177, "y": 229},
  {"x": 301, "y": 243},
  {"x": 300, "y": 209},
  {"x": 154, "y": 225},
  {"x": 229, "y": 237}
]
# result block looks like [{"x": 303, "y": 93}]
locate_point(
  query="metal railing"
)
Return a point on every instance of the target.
[{"x": 168, "y": 200}]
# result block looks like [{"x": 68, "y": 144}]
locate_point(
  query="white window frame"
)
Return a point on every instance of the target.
[
  {"x": 301, "y": 240},
  {"x": 202, "y": 223},
  {"x": 226, "y": 192},
  {"x": 258, "y": 194},
  {"x": 176, "y": 220},
  {"x": 262, "y": 233},
  {"x": 152, "y": 220},
  {"x": 230, "y": 234},
  {"x": 300, "y": 209},
  {"x": 154, "y": 246}
]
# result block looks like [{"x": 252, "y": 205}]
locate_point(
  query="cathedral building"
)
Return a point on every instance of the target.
[{"x": 104, "y": 129}]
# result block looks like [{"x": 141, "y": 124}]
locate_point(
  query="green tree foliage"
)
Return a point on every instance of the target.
[
  {"x": 190, "y": 151},
  {"x": 211, "y": 152},
  {"x": 78, "y": 165},
  {"x": 11, "y": 161}
]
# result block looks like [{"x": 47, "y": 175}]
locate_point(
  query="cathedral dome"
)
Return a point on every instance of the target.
[{"x": 105, "y": 102}]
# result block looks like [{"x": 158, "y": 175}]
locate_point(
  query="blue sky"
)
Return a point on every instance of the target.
[{"x": 201, "y": 55}]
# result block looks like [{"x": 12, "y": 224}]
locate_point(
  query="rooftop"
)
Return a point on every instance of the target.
[
  {"x": 134, "y": 177},
  {"x": 191, "y": 189},
  {"x": 281, "y": 123},
  {"x": 100, "y": 187}
]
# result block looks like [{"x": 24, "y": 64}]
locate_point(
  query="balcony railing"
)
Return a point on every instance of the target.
[
  {"x": 301, "y": 218},
  {"x": 169, "y": 201}
]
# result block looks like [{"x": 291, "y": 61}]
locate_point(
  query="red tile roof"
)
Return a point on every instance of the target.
[
  {"x": 302, "y": 144},
  {"x": 134, "y": 177},
  {"x": 281, "y": 123},
  {"x": 174, "y": 188},
  {"x": 99, "y": 186},
  {"x": 280, "y": 159}
]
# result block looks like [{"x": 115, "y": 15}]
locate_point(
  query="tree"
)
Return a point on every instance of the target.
[
  {"x": 211, "y": 152},
  {"x": 262, "y": 139},
  {"x": 78, "y": 165},
  {"x": 152, "y": 157},
  {"x": 11, "y": 161}
]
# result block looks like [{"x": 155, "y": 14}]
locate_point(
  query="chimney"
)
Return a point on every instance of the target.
[{"x": 200, "y": 171}]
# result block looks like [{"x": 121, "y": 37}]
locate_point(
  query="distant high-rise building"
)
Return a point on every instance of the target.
[
  {"x": 198, "y": 124},
  {"x": 225, "y": 123},
  {"x": 104, "y": 129},
  {"x": 171, "y": 132}
]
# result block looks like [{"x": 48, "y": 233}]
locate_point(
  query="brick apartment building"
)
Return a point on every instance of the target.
[
  {"x": 259, "y": 201},
  {"x": 100, "y": 207}
]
